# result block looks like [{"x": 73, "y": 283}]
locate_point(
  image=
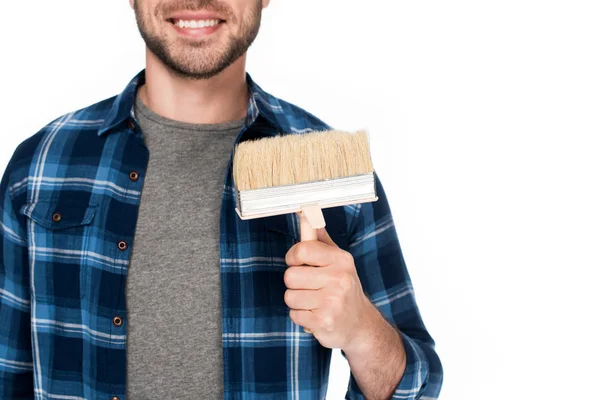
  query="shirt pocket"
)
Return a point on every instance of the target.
[{"x": 58, "y": 232}]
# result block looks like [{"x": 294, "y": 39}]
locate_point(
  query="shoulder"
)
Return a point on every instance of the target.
[
  {"x": 299, "y": 120},
  {"x": 285, "y": 116},
  {"x": 64, "y": 132}
]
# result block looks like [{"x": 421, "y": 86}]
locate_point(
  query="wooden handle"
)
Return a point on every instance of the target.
[
  {"x": 307, "y": 232},
  {"x": 311, "y": 219}
]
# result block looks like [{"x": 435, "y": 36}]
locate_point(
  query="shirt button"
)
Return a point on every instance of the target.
[
  {"x": 131, "y": 124},
  {"x": 118, "y": 321},
  {"x": 122, "y": 245},
  {"x": 56, "y": 217},
  {"x": 134, "y": 176}
]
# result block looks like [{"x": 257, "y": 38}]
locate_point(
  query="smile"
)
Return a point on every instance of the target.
[{"x": 195, "y": 24}]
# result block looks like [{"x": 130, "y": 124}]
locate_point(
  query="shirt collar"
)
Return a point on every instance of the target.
[{"x": 260, "y": 103}]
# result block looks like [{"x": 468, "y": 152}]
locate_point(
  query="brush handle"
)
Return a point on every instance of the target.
[
  {"x": 307, "y": 232},
  {"x": 311, "y": 219}
]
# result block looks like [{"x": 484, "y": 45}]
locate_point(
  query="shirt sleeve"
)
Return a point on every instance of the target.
[
  {"x": 373, "y": 242},
  {"x": 16, "y": 367}
]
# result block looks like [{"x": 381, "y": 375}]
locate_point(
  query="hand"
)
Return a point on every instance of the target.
[{"x": 325, "y": 294}]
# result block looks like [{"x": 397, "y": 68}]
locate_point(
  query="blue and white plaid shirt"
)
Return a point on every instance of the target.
[{"x": 69, "y": 202}]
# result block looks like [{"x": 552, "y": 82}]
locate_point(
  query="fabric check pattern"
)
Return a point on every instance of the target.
[{"x": 68, "y": 204}]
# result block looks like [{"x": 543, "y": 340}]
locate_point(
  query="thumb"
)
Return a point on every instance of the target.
[{"x": 323, "y": 236}]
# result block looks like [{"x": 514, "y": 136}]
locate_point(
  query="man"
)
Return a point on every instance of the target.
[{"x": 201, "y": 305}]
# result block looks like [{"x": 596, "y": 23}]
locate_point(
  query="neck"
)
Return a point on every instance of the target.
[{"x": 222, "y": 98}]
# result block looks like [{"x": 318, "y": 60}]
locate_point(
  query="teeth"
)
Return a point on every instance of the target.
[{"x": 196, "y": 24}]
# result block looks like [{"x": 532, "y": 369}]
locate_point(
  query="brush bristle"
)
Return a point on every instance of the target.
[{"x": 300, "y": 158}]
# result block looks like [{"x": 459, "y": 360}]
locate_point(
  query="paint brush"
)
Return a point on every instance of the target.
[{"x": 303, "y": 173}]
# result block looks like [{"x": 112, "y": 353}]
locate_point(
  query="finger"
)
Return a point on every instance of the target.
[
  {"x": 299, "y": 277},
  {"x": 313, "y": 253},
  {"x": 304, "y": 318},
  {"x": 302, "y": 299},
  {"x": 323, "y": 236}
]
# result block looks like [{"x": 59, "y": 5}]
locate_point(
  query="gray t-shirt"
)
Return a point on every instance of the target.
[{"x": 174, "y": 344}]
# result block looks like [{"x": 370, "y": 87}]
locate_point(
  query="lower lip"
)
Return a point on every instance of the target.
[{"x": 197, "y": 32}]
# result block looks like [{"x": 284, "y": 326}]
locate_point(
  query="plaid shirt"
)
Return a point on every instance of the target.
[{"x": 69, "y": 202}]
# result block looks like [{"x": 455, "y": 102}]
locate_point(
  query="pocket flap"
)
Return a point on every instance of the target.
[{"x": 60, "y": 214}]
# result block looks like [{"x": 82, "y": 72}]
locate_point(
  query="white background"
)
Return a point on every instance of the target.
[{"x": 484, "y": 121}]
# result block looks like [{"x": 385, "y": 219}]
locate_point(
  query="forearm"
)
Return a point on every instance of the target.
[{"x": 377, "y": 358}]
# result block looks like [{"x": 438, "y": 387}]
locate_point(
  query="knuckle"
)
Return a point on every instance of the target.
[
  {"x": 346, "y": 282},
  {"x": 327, "y": 323},
  {"x": 287, "y": 297},
  {"x": 301, "y": 251},
  {"x": 289, "y": 276},
  {"x": 346, "y": 257},
  {"x": 289, "y": 256}
]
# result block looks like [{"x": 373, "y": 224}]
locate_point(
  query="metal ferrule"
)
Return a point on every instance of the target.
[{"x": 291, "y": 198}]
